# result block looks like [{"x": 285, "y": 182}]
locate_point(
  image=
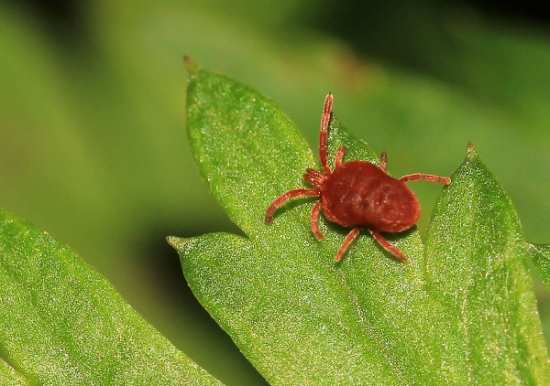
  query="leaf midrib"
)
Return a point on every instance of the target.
[
  {"x": 31, "y": 381},
  {"x": 370, "y": 334},
  {"x": 364, "y": 321},
  {"x": 464, "y": 307}
]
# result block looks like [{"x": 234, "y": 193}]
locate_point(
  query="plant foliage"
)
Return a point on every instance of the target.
[
  {"x": 462, "y": 311},
  {"x": 62, "y": 323}
]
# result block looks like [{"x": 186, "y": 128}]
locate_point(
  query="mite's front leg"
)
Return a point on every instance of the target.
[
  {"x": 279, "y": 201},
  {"x": 314, "y": 221},
  {"x": 426, "y": 177}
]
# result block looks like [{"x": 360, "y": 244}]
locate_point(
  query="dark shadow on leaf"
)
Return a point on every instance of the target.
[{"x": 162, "y": 264}]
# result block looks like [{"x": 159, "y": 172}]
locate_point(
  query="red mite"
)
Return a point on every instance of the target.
[{"x": 358, "y": 194}]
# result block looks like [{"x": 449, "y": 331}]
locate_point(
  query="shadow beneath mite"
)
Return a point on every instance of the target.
[{"x": 391, "y": 237}]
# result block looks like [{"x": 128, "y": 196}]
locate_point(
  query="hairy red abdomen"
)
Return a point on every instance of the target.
[{"x": 359, "y": 193}]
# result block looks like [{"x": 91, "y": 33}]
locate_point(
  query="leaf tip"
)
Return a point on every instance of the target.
[
  {"x": 190, "y": 65},
  {"x": 471, "y": 151},
  {"x": 178, "y": 243}
]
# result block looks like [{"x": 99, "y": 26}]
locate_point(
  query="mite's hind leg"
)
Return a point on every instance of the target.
[
  {"x": 426, "y": 177},
  {"x": 388, "y": 246},
  {"x": 352, "y": 235},
  {"x": 314, "y": 221},
  {"x": 279, "y": 201}
]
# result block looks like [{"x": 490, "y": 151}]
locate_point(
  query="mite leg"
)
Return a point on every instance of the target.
[
  {"x": 426, "y": 177},
  {"x": 383, "y": 161},
  {"x": 352, "y": 235},
  {"x": 388, "y": 246},
  {"x": 314, "y": 221},
  {"x": 339, "y": 156},
  {"x": 323, "y": 132},
  {"x": 279, "y": 201}
]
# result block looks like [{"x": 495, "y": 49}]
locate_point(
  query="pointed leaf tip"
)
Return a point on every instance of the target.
[
  {"x": 191, "y": 66},
  {"x": 471, "y": 151},
  {"x": 178, "y": 243}
]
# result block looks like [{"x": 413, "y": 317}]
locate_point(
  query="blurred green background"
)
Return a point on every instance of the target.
[{"x": 92, "y": 119}]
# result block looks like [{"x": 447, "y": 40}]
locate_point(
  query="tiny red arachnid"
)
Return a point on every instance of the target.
[{"x": 357, "y": 194}]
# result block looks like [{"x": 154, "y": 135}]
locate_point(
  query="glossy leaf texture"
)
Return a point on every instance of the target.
[
  {"x": 62, "y": 323},
  {"x": 461, "y": 311}
]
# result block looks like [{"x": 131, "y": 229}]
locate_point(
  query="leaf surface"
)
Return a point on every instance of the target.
[
  {"x": 475, "y": 266},
  {"x": 10, "y": 377},
  {"x": 62, "y": 323},
  {"x": 300, "y": 318}
]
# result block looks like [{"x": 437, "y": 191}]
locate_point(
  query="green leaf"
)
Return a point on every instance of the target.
[
  {"x": 475, "y": 267},
  {"x": 463, "y": 311},
  {"x": 61, "y": 323}
]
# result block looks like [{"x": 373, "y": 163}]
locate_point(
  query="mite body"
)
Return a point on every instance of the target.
[{"x": 357, "y": 195}]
